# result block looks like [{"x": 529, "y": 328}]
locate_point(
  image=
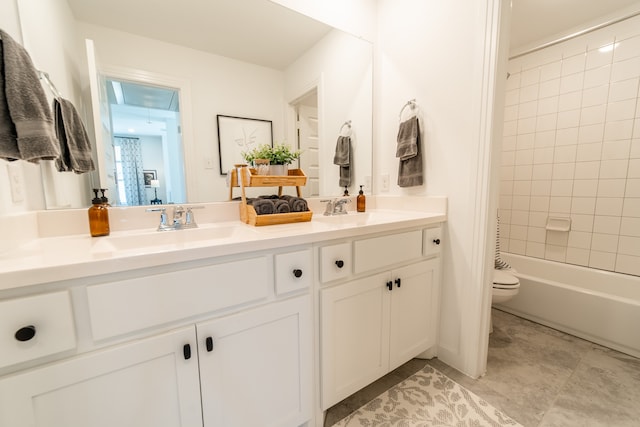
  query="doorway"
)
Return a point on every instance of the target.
[
  {"x": 306, "y": 111},
  {"x": 147, "y": 143}
]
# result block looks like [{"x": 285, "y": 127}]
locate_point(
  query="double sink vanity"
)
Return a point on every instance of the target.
[{"x": 222, "y": 325}]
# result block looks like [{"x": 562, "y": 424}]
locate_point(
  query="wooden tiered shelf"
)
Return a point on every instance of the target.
[{"x": 249, "y": 178}]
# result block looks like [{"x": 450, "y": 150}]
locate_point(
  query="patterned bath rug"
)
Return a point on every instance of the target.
[{"x": 427, "y": 398}]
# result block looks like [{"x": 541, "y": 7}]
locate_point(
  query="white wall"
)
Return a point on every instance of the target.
[
  {"x": 434, "y": 51},
  {"x": 218, "y": 85},
  {"x": 343, "y": 65}
]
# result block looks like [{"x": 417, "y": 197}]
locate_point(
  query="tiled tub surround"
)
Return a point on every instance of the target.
[{"x": 571, "y": 148}]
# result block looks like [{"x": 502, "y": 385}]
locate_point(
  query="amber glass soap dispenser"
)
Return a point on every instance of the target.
[
  {"x": 99, "y": 215},
  {"x": 361, "y": 201}
]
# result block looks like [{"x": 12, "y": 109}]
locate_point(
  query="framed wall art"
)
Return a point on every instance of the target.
[
  {"x": 149, "y": 175},
  {"x": 238, "y": 134}
]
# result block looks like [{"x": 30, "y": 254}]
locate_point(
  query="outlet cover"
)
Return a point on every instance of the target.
[
  {"x": 16, "y": 183},
  {"x": 384, "y": 182}
]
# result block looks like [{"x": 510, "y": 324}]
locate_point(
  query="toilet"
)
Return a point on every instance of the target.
[{"x": 505, "y": 286}]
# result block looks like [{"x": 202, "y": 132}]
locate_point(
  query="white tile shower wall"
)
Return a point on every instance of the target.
[{"x": 571, "y": 148}]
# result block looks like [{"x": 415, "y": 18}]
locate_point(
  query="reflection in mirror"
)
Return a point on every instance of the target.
[
  {"x": 258, "y": 73},
  {"x": 145, "y": 123},
  {"x": 306, "y": 110}
]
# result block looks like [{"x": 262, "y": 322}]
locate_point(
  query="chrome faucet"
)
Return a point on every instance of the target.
[
  {"x": 177, "y": 216},
  {"x": 182, "y": 218},
  {"x": 336, "y": 206}
]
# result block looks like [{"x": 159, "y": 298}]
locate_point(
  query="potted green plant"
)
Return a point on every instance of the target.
[
  {"x": 279, "y": 157},
  {"x": 259, "y": 157}
]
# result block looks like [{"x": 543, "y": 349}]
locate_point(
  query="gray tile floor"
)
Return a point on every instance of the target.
[{"x": 538, "y": 376}]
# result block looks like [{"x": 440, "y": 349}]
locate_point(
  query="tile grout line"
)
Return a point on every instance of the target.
[{"x": 564, "y": 384}]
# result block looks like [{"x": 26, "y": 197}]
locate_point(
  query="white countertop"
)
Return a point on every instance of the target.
[{"x": 51, "y": 259}]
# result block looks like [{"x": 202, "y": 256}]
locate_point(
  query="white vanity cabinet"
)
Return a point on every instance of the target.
[
  {"x": 268, "y": 328},
  {"x": 256, "y": 366},
  {"x": 146, "y": 383},
  {"x": 244, "y": 360},
  {"x": 248, "y": 369},
  {"x": 371, "y": 324}
]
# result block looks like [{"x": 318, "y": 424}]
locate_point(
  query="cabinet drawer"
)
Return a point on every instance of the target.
[
  {"x": 384, "y": 251},
  {"x": 335, "y": 262},
  {"x": 49, "y": 316},
  {"x": 128, "y": 305},
  {"x": 293, "y": 271},
  {"x": 432, "y": 241}
]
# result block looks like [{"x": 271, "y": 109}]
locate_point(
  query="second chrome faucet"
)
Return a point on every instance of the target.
[
  {"x": 182, "y": 218},
  {"x": 336, "y": 206}
]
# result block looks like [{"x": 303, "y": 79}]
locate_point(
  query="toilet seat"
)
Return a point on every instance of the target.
[{"x": 504, "y": 280}]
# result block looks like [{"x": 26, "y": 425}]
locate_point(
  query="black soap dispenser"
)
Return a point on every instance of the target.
[
  {"x": 104, "y": 199},
  {"x": 99, "y": 215}
]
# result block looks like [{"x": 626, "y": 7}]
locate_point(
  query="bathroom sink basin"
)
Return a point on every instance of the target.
[
  {"x": 169, "y": 239},
  {"x": 355, "y": 219}
]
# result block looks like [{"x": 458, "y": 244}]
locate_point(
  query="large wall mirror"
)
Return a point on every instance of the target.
[{"x": 165, "y": 74}]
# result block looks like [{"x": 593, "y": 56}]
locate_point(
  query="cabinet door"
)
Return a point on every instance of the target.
[
  {"x": 256, "y": 366},
  {"x": 354, "y": 336},
  {"x": 148, "y": 383},
  {"x": 414, "y": 311}
]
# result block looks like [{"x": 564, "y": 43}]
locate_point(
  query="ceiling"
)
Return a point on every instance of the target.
[
  {"x": 141, "y": 109},
  {"x": 544, "y": 20},
  {"x": 267, "y": 34},
  {"x": 256, "y": 31}
]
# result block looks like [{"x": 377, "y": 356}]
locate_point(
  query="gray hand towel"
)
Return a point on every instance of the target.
[
  {"x": 342, "y": 158},
  {"x": 296, "y": 204},
  {"x": 407, "y": 139},
  {"x": 263, "y": 206},
  {"x": 343, "y": 150},
  {"x": 28, "y": 107},
  {"x": 75, "y": 146},
  {"x": 282, "y": 206},
  {"x": 8, "y": 136},
  {"x": 410, "y": 172}
]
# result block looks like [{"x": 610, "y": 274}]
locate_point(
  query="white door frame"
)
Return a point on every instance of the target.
[{"x": 186, "y": 122}]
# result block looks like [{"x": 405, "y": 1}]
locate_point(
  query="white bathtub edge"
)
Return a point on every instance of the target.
[{"x": 571, "y": 331}]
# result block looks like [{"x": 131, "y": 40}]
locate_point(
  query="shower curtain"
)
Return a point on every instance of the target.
[{"x": 132, "y": 170}]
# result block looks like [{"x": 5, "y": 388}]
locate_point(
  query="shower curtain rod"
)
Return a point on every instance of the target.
[{"x": 576, "y": 34}]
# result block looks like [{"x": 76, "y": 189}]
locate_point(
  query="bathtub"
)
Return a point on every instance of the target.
[{"x": 599, "y": 306}]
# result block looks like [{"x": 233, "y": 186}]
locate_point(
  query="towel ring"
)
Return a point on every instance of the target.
[
  {"x": 348, "y": 125},
  {"x": 411, "y": 103}
]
